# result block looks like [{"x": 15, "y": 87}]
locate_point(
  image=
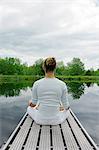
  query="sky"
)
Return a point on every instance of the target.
[{"x": 33, "y": 29}]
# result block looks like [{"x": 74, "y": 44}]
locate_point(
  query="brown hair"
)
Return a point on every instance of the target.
[{"x": 49, "y": 64}]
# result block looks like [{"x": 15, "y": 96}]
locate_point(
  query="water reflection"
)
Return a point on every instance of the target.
[
  {"x": 14, "y": 99},
  {"x": 75, "y": 89},
  {"x": 88, "y": 84},
  {"x": 98, "y": 83},
  {"x": 13, "y": 89}
]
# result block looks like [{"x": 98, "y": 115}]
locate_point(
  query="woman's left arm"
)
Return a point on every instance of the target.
[{"x": 64, "y": 98}]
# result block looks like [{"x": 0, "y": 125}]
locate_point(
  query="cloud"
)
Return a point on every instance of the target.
[{"x": 66, "y": 29}]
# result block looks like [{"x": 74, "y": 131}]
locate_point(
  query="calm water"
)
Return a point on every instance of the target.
[{"x": 83, "y": 98}]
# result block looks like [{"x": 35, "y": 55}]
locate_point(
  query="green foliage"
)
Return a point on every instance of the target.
[
  {"x": 37, "y": 67},
  {"x": 96, "y": 73},
  {"x": 88, "y": 72},
  {"x": 75, "y": 67},
  {"x": 13, "y": 66},
  {"x": 91, "y": 72},
  {"x": 10, "y": 66},
  {"x": 60, "y": 68}
]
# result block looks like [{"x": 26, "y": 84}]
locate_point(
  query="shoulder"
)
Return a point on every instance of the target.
[
  {"x": 61, "y": 82},
  {"x": 38, "y": 82}
]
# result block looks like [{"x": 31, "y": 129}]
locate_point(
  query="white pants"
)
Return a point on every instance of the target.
[{"x": 53, "y": 120}]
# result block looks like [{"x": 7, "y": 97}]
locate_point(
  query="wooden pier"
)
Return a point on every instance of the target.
[{"x": 69, "y": 135}]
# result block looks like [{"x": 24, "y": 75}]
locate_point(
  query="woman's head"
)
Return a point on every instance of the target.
[{"x": 49, "y": 64}]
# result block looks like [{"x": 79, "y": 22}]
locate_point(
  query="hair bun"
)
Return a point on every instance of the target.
[
  {"x": 50, "y": 61},
  {"x": 49, "y": 64}
]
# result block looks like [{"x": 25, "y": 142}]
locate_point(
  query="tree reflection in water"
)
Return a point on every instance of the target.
[
  {"x": 76, "y": 89},
  {"x": 13, "y": 89}
]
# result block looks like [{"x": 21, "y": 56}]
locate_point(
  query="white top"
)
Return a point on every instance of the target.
[{"x": 49, "y": 93}]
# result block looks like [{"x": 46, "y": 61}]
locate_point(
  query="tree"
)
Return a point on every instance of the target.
[
  {"x": 10, "y": 66},
  {"x": 14, "y": 66},
  {"x": 60, "y": 68},
  {"x": 75, "y": 67},
  {"x": 88, "y": 73},
  {"x": 37, "y": 67},
  {"x": 96, "y": 73}
]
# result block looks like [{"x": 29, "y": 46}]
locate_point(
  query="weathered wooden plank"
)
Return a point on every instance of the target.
[
  {"x": 45, "y": 138},
  {"x": 20, "y": 138},
  {"x": 57, "y": 138},
  {"x": 69, "y": 138},
  {"x": 83, "y": 142},
  {"x": 32, "y": 138}
]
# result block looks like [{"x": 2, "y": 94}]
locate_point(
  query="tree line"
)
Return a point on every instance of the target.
[{"x": 14, "y": 66}]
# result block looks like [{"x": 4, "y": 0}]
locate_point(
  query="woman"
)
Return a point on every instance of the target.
[{"x": 49, "y": 103}]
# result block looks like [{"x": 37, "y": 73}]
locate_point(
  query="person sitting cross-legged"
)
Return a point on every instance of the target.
[{"x": 49, "y": 105}]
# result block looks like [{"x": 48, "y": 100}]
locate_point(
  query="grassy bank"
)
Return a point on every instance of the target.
[
  {"x": 80, "y": 78},
  {"x": 18, "y": 78},
  {"x": 29, "y": 78}
]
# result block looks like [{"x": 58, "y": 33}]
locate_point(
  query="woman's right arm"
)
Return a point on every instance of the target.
[{"x": 34, "y": 100}]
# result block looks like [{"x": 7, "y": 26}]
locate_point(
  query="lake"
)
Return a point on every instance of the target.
[{"x": 83, "y": 99}]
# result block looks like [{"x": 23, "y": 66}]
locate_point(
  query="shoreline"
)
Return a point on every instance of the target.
[{"x": 29, "y": 78}]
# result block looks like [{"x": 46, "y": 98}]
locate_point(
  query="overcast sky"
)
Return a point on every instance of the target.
[{"x": 33, "y": 29}]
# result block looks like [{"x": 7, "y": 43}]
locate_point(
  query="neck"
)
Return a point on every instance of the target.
[{"x": 49, "y": 75}]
